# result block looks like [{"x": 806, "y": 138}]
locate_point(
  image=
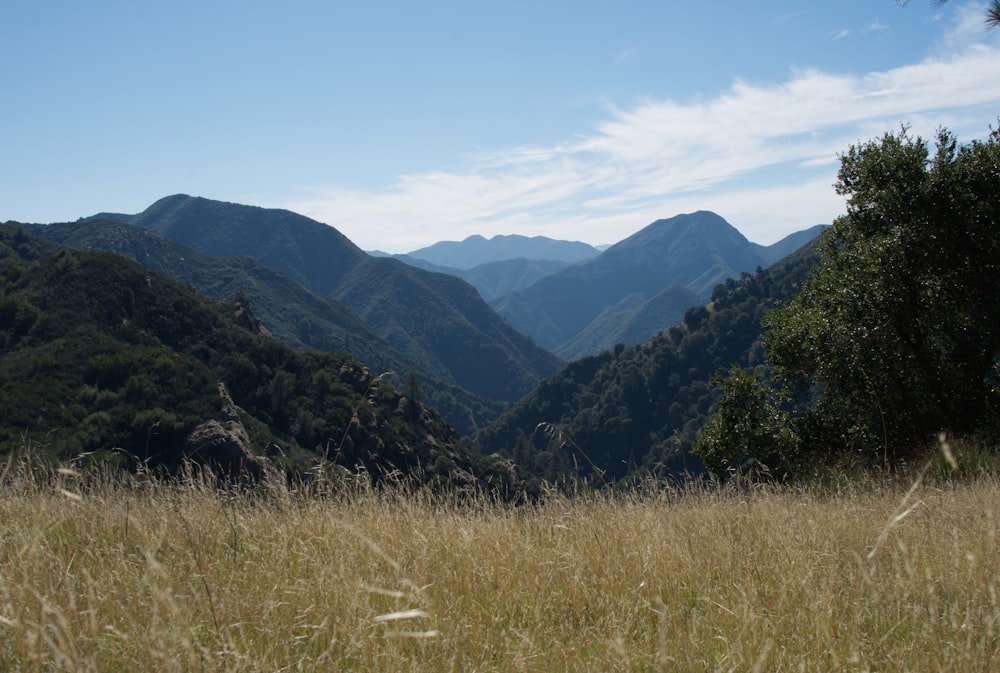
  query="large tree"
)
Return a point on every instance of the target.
[{"x": 895, "y": 336}]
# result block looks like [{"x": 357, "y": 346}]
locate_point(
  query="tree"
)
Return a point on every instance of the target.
[
  {"x": 896, "y": 334},
  {"x": 992, "y": 12},
  {"x": 749, "y": 426}
]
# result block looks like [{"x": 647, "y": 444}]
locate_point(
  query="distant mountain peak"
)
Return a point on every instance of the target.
[
  {"x": 477, "y": 250},
  {"x": 693, "y": 251}
]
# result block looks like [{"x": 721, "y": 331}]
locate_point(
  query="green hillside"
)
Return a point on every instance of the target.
[
  {"x": 295, "y": 315},
  {"x": 101, "y": 356},
  {"x": 635, "y": 410},
  {"x": 435, "y": 320}
]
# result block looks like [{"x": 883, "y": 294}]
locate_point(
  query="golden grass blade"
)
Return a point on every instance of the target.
[
  {"x": 705, "y": 579},
  {"x": 404, "y": 614}
]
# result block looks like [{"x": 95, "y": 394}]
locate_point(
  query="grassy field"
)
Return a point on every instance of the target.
[{"x": 131, "y": 575}]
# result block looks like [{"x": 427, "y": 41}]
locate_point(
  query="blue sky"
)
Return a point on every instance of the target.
[{"x": 406, "y": 123}]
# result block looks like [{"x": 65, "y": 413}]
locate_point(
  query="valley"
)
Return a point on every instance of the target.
[{"x": 424, "y": 331}]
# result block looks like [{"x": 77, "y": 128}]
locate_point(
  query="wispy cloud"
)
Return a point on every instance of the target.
[
  {"x": 875, "y": 26},
  {"x": 762, "y": 155},
  {"x": 625, "y": 56},
  {"x": 969, "y": 27}
]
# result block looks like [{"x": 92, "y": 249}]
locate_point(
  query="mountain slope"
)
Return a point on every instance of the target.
[
  {"x": 103, "y": 357},
  {"x": 495, "y": 279},
  {"x": 635, "y": 410},
  {"x": 309, "y": 252},
  {"x": 621, "y": 324},
  {"x": 476, "y": 250},
  {"x": 296, "y": 316},
  {"x": 789, "y": 244},
  {"x": 469, "y": 344},
  {"x": 445, "y": 317},
  {"x": 693, "y": 251}
]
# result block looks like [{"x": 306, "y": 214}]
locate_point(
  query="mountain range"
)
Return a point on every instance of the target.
[
  {"x": 437, "y": 321},
  {"x": 633, "y": 412},
  {"x": 501, "y": 264},
  {"x": 498, "y": 278},
  {"x": 638, "y": 286},
  {"x": 626, "y": 311},
  {"x": 295, "y": 315},
  {"x": 477, "y": 250},
  {"x": 669, "y": 289}
]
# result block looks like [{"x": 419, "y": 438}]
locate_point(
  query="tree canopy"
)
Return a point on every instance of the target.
[{"x": 895, "y": 336}]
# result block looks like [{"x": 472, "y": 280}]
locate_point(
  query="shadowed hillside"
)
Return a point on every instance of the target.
[
  {"x": 692, "y": 253},
  {"x": 101, "y": 356},
  {"x": 296, "y": 316},
  {"x": 437, "y": 321},
  {"x": 635, "y": 410}
]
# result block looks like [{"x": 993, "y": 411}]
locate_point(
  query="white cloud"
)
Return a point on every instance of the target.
[
  {"x": 968, "y": 27},
  {"x": 875, "y": 26},
  {"x": 625, "y": 56},
  {"x": 762, "y": 155}
]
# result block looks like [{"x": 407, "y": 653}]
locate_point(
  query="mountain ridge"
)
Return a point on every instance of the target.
[
  {"x": 476, "y": 250},
  {"x": 297, "y": 316},
  {"x": 106, "y": 360},
  {"x": 694, "y": 251},
  {"x": 466, "y": 341}
]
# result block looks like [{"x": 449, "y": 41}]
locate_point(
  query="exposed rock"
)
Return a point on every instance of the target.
[
  {"x": 230, "y": 412},
  {"x": 225, "y": 445},
  {"x": 240, "y": 306}
]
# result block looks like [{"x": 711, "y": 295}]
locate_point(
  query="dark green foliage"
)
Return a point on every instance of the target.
[
  {"x": 293, "y": 314},
  {"x": 635, "y": 410},
  {"x": 751, "y": 425},
  {"x": 98, "y": 354},
  {"x": 896, "y": 335},
  {"x": 414, "y": 395}
]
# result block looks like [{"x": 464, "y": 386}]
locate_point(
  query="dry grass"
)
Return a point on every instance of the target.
[{"x": 111, "y": 575}]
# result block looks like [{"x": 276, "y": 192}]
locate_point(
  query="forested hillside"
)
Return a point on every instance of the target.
[
  {"x": 568, "y": 312},
  {"x": 103, "y": 357},
  {"x": 437, "y": 321},
  {"x": 635, "y": 410},
  {"x": 297, "y": 316}
]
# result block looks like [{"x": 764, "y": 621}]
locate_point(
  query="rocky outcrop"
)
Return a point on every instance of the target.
[
  {"x": 239, "y": 304},
  {"x": 225, "y": 445}
]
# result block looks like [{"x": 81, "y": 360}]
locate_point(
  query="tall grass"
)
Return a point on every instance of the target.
[{"x": 102, "y": 573}]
